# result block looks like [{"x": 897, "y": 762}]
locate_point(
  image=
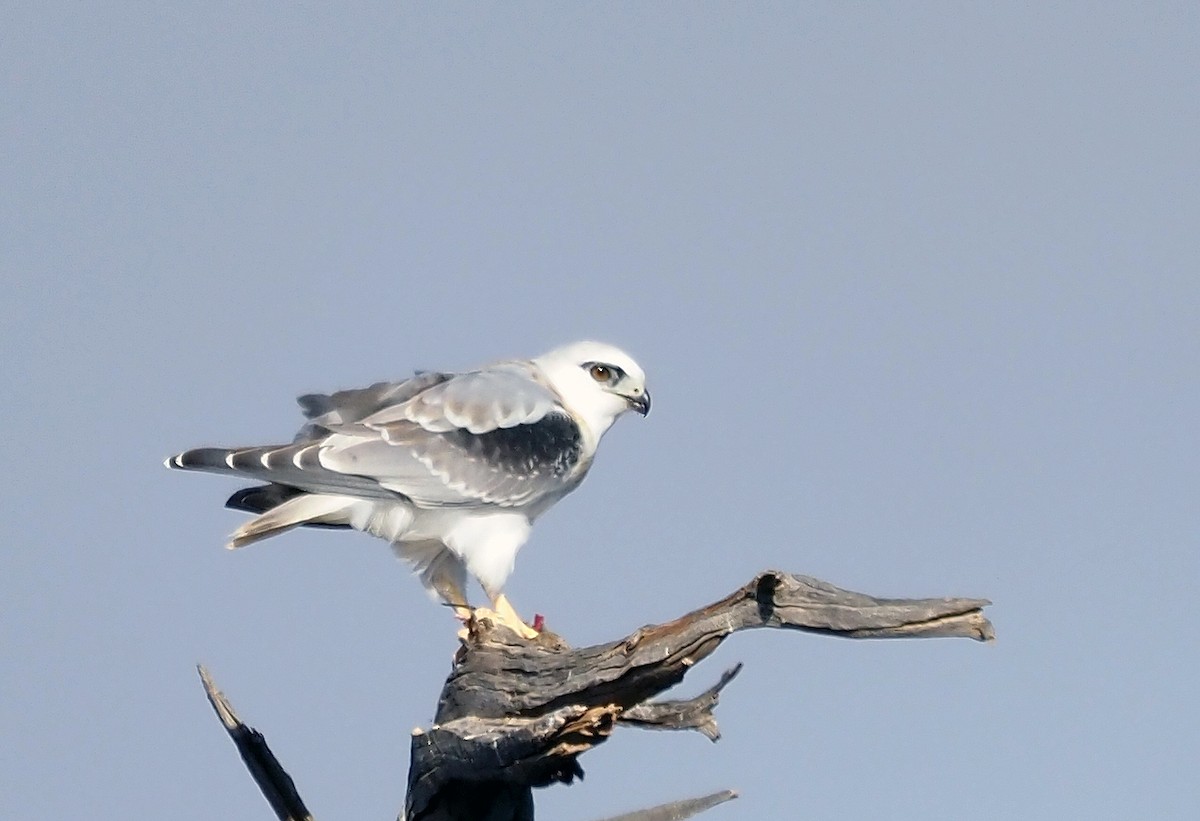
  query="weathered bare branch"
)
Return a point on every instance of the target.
[
  {"x": 692, "y": 714},
  {"x": 515, "y": 714},
  {"x": 554, "y": 703},
  {"x": 276, "y": 785},
  {"x": 678, "y": 810}
]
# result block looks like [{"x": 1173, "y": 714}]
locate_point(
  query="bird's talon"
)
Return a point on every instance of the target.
[{"x": 500, "y": 618}]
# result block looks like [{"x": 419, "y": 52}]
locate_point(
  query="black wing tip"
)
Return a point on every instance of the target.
[{"x": 261, "y": 498}]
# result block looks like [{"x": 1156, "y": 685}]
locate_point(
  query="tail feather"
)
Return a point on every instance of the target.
[
  {"x": 304, "y": 509},
  {"x": 262, "y": 498}
]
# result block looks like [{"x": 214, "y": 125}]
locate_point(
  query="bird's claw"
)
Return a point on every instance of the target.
[{"x": 500, "y": 618}]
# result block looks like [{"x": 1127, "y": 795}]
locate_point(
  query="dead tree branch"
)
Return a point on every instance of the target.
[
  {"x": 515, "y": 714},
  {"x": 518, "y": 714},
  {"x": 678, "y": 810},
  {"x": 276, "y": 785}
]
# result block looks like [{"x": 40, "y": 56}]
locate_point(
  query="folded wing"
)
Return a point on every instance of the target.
[{"x": 496, "y": 436}]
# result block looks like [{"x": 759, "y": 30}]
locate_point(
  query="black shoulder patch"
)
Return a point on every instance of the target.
[{"x": 551, "y": 446}]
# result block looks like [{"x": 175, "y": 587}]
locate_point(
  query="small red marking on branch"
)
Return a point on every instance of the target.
[{"x": 539, "y": 622}]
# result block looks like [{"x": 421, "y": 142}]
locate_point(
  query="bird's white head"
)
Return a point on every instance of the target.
[{"x": 597, "y": 382}]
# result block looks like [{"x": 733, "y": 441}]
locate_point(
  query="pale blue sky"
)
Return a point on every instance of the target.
[{"x": 916, "y": 287}]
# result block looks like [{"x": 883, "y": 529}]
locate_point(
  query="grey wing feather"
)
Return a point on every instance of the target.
[
  {"x": 494, "y": 436},
  {"x": 296, "y": 465},
  {"x": 507, "y": 467},
  {"x": 497, "y": 435},
  {"x": 501, "y": 396},
  {"x": 325, "y": 411}
]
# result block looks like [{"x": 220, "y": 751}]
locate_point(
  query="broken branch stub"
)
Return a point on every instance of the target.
[{"x": 274, "y": 782}]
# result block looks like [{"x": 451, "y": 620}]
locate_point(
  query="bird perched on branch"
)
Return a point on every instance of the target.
[{"x": 451, "y": 468}]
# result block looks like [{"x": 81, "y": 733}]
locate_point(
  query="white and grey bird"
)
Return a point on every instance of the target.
[{"x": 451, "y": 468}]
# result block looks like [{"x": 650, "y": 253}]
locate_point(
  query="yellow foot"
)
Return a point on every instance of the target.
[
  {"x": 505, "y": 614},
  {"x": 519, "y": 627}
]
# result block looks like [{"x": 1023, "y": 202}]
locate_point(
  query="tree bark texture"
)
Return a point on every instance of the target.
[{"x": 517, "y": 714}]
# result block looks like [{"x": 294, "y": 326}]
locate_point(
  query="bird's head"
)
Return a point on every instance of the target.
[{"x": 597, "y": 382}]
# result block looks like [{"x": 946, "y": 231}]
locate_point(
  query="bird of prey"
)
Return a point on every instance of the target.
[{"x": 451, "y": 468}]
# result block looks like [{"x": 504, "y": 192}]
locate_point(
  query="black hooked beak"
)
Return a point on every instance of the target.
[{"x": 640, "y": 403}]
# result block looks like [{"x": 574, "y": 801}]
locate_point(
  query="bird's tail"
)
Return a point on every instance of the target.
[
  {"x": 280, "y": 507},
  {"x": 302, "y": 509}
]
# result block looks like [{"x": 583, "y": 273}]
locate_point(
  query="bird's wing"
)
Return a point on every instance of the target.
[
  {"x": 496, "y": 436},
  {"x": 349, "y": 406},
  {"x": 502, "y": 396},
  {"x": 297, "y": 465}
]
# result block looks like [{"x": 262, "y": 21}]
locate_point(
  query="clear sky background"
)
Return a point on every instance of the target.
[{"x": 917, "y": 287}]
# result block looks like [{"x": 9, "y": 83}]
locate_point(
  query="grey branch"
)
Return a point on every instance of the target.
[
  {"x": 514, "y": 715},
  {"x": 678, "y": 810},
  {"x": 518, "y": 714},
  {"x": 693, "y": 714}
]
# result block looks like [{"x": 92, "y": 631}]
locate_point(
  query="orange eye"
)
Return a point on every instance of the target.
[{"x": 601, "y": 373}]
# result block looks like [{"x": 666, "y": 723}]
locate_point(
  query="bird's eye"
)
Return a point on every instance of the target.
[{"x": 601, "y": 373}]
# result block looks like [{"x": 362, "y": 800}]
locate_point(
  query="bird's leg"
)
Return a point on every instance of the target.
[
  {"x": 464, "y": 615},
  {"x": 454, "y": 597},
  {"x": 509, "y": 618}
]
